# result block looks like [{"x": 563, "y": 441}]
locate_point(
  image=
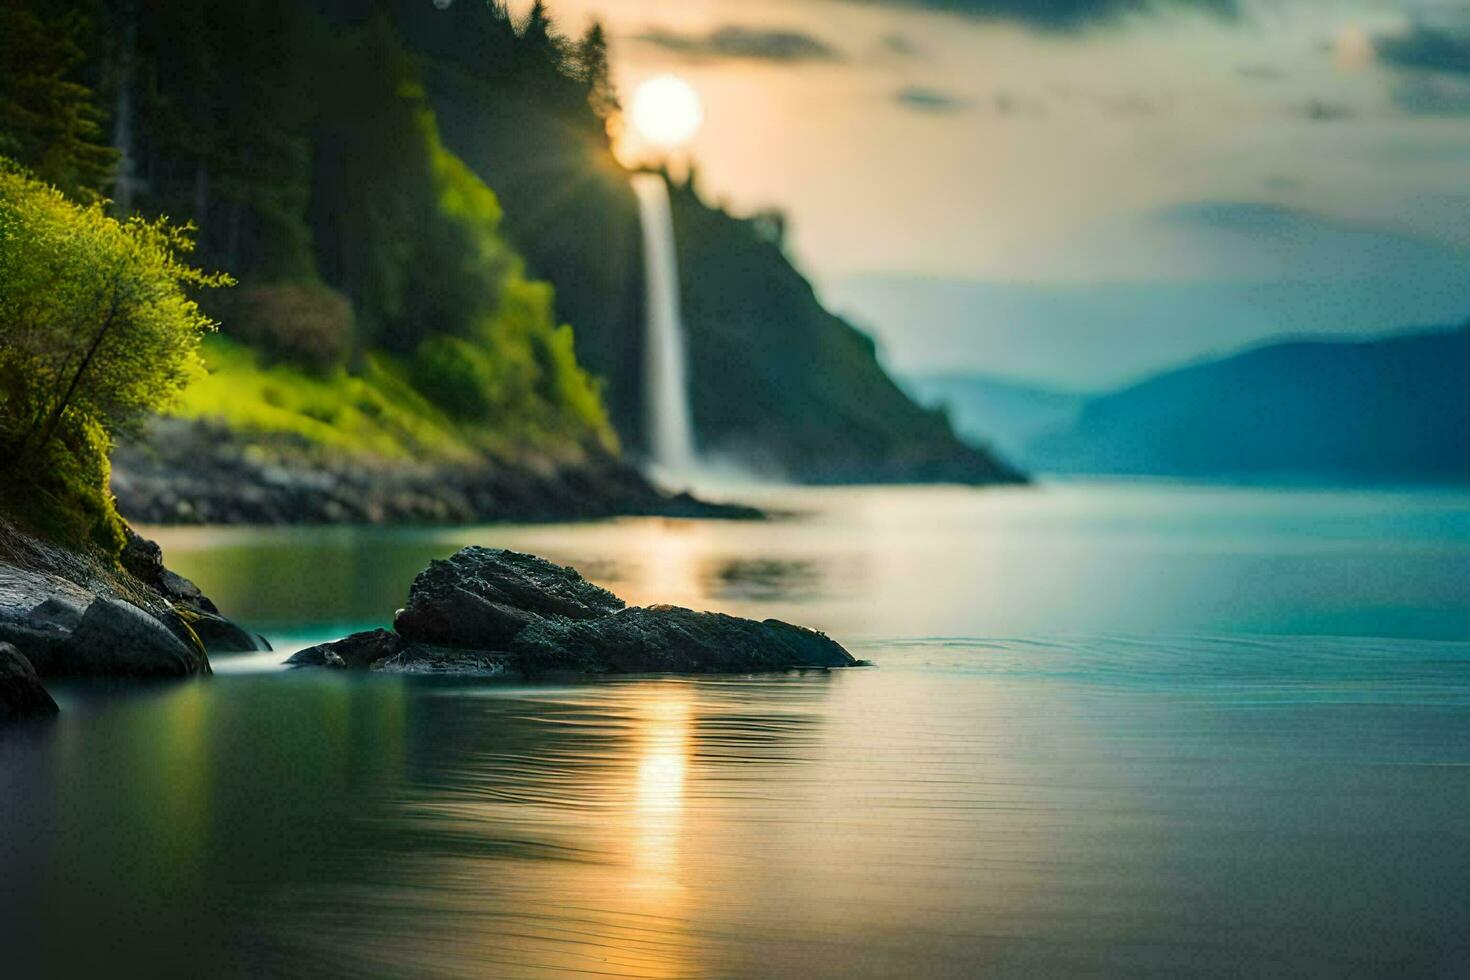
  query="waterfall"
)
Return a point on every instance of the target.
[{"x": 666, "y": 387}]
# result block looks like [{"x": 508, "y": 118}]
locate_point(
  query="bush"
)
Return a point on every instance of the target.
[
  {"x": 96, "y": 333},
  {"x": 305, "y": 323},
  {"x": 455, "y": 377}
]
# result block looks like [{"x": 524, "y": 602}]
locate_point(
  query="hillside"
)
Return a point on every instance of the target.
[
  {"x": 1390, "y": 409},
  {"x": 380, "y": 330},
  {"x": 437, "y": 303},
  {"x": 779, "y": 384}
]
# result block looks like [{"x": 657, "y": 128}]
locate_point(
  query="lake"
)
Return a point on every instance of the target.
[{"x": 1115, "y": 729}]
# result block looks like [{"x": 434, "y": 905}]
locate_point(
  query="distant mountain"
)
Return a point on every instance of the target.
[
  {"x": 994, "y": 412},
  {"x": 1102, "y": 335},
  {"x": 1396, "y": 408}
]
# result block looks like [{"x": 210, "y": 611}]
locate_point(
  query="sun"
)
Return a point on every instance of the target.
[{"x": 666, "y": 111}]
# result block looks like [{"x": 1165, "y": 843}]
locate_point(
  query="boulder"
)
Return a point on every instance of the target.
[
  {"x": 76, "y": 613},
  {"x": 144, "y": 559},
  {"x": 508, "y": 578},
  {"x": 360, "y": 650},
  {"x": 42, "y": 647},
  {"x": 455, "y": 617},
  {"x": 56, "y": 613},
  {"x": 117, "y": 639},
  {"x": 662, "y": 639},
  {"x": 21, "y": 693},
  {"x": 489, "y": 611},
  {"x": 219, "y": 635}
]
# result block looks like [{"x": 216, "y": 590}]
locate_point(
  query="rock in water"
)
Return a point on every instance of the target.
[
  {"x": 359, "y": 650},
  {"x": 455, "y": 617},
  {"x": 79, "y": 613},
  {"x": 519, "y": 581},
  {"x": 144, "y": 559},
  {"x": 218, "y": 634},
  {"x": 21, "y": 693},
  {"x": 486, "y": 610},
  {"x": 660, "y": 639},
  {"x": 117, "y": 639}
]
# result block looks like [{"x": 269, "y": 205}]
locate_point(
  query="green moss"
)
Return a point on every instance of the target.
[
  {"x": 369, "y": 414},
  {"x": 65, "y": 496},
  {"x": 380, "y": 410}
]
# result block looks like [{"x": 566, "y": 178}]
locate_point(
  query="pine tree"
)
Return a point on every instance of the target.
[
  {"x": 540, "y": 43},
  {"x": 49, "y": 121},
  {"x": 594, "y": 71}
]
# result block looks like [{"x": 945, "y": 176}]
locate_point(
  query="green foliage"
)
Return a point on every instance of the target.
[
  {"x": 224, "y": 124},
  {"x": 413, "y": 235},
  {"x": 371, "y": 412},
  {"x": 386, "y": 312},
  {"x": 522, "y": 376},
  {"x": 379, "y": 411},
  {"x": 48, "y": 119},
  {"x": 456, "y": 376},
  {"x": 306, "y": 323},
  {"x": 96, "y": 331}
]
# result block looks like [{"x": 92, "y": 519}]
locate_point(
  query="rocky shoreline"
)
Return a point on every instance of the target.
[
  {"x": 494, "y": 612},
  {"x": 190, "y": 472},
  {"x": 65, "y": 613},
  {"x": 483, "y": 611}
]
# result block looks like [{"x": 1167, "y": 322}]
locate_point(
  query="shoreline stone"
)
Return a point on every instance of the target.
[
  {"x": 69, "y": 613},
  {"x": 199, "y": 472},
  {"x": 489, "y": 611},
  {"x": 21, "y": 695}
]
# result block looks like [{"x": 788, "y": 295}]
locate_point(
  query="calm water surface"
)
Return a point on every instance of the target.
[{"x": 1123, "y": 730}]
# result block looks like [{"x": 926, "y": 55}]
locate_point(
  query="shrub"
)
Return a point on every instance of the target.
[
  {"x": 305, "y": 323},
  {"x": 96, "y": 332},
  {"x": 455, "y": 377}
]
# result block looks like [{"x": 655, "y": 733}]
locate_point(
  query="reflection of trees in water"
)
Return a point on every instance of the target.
[
  {"x": 188, "y": 823},
  {"x": 288, "y": 577}
]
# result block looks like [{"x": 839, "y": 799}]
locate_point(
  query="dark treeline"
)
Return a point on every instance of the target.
[
  {"x": 390, "y": 179},
  {"x": 301, "y": 144},
  {"x": 297, "y": 137}
]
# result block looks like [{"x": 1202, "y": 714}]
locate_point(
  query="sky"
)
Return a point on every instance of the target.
[{"x": 1078, "y": 192}]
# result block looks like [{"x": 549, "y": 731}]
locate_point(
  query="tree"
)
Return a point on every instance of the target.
[
  {"x": 97, "y": 331},
  {"x": 594, "y": 72},
  {"x": 48, "y": 120}
]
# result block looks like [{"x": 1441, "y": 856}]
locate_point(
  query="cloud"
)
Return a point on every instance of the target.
[
  {"x": 933, "y": 101},
  {"x": 1257, "y": 217},
  {"x": 747, "y": 43},
  {"x": 1063, "y": 15},
  {"x": 1425, "y": 48},
  {"x": 1434, "y": 64},
  {"x": 1437, "y": 95},
  {"x": 929, "y": 100},
  {"x": 1318, "y": 111}
]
